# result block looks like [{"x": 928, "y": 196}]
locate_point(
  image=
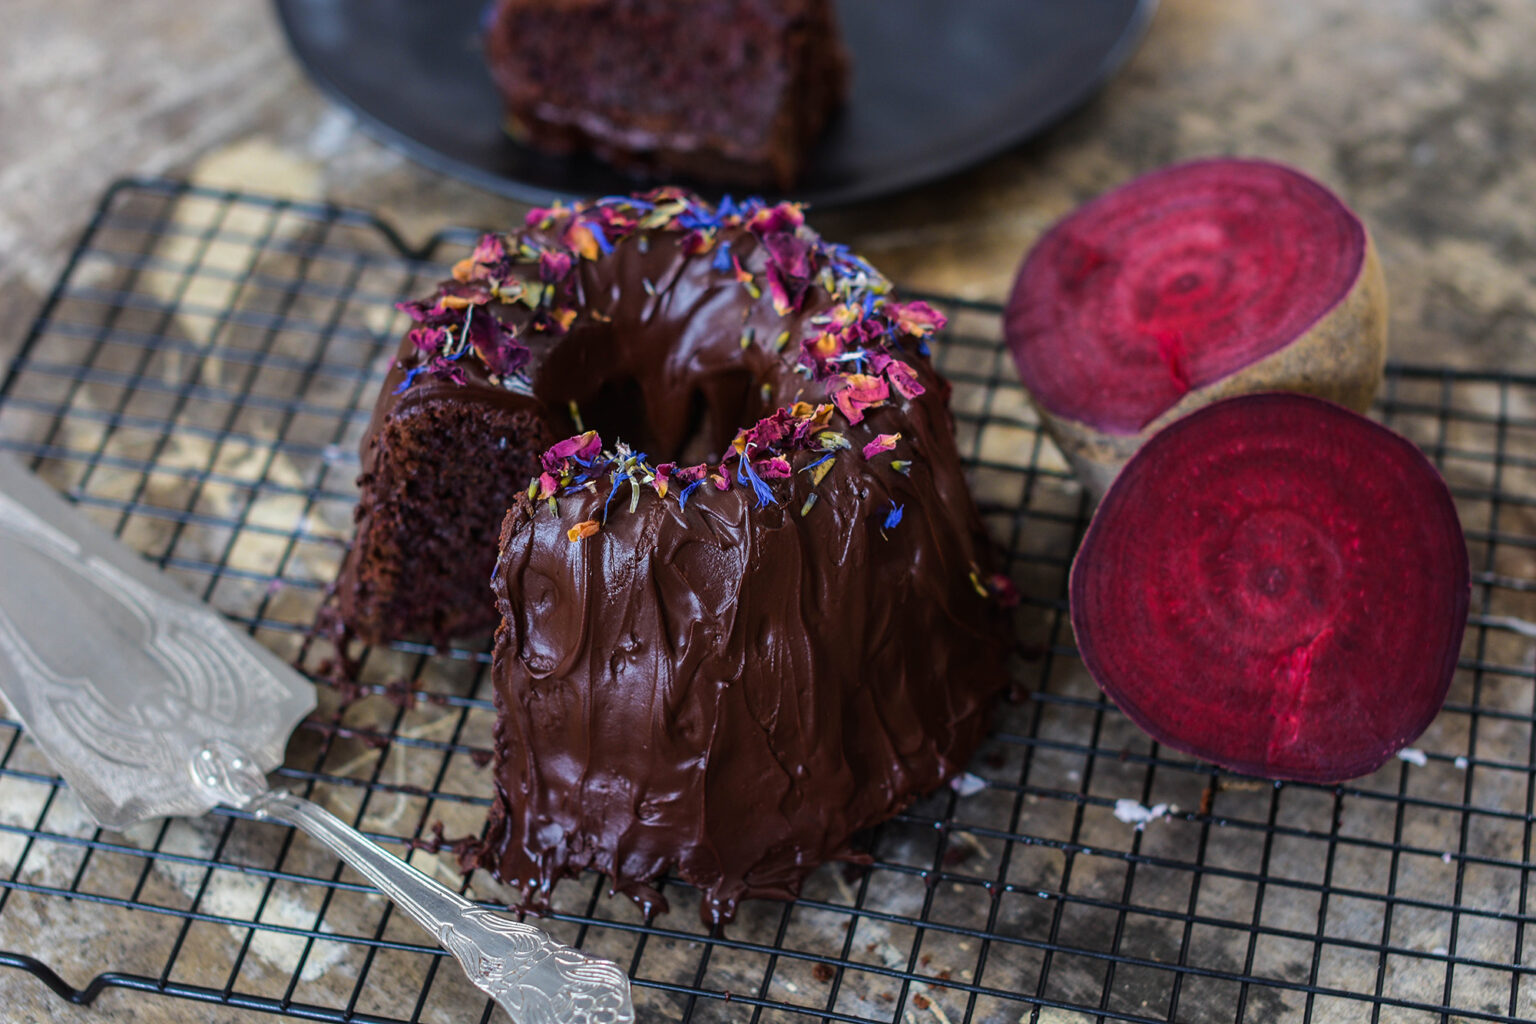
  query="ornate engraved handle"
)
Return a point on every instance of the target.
[{"x": 534, "y": 978}]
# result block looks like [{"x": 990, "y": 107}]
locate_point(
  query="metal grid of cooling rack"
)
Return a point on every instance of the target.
[{"x": 197, "y": 382}]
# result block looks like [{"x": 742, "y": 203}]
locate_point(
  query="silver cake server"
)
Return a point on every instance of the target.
[{"x": 149, "y": 704}]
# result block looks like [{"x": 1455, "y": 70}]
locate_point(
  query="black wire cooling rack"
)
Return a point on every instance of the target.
[{"x": 197, "y": 381}]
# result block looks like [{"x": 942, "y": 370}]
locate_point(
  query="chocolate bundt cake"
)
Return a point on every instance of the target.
[
  {"x": 723, "y": 649},
  {"x": 727, "y": 91}
]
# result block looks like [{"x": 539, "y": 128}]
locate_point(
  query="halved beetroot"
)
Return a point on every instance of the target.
[
  {"x": 1188, "y": 285},
  {"x": 1276, "y": 585}
]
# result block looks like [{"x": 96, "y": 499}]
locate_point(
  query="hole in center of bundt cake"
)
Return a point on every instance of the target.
[
  {"x": 616, "y": 410},
  {"x": 689, "y": 421}
]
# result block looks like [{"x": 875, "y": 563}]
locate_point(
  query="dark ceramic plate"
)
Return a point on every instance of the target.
[{"x": 938, "y": 85}]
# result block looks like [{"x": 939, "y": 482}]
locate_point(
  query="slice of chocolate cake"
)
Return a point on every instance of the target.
[
  {"x": 453, "y": 438},
  {"x": 727, "y": 91}
]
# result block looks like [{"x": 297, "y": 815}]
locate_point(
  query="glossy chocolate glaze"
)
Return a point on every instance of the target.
[{"x": 730, "y": 690}]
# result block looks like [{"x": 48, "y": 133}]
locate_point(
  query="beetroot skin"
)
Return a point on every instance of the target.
[
  {"x": 1276, "y": 585},
  {"x": 1188, "y": 285}
]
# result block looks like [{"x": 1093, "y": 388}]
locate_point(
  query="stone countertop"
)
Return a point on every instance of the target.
[{"x": 1420, "y": 113}]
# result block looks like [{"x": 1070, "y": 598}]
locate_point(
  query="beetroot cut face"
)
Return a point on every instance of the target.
[
  {"x": 1276, "y": 585},
  {"x": 1175, "y": 281}
]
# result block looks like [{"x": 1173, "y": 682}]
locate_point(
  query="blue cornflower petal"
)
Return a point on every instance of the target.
[
  {"x": 722, "y": 261},
  {"x": 410, "y": 378},
  {"x": 813, "y": 465},
  {"x": 602, "y": 239},
  {"x": 697, "y": 217},
  {"x": 682, "y": 497},
  {"x": 612, "y": 493},
  {"x": 764, "y": 493},
  {"x": 893, "y": 516}
]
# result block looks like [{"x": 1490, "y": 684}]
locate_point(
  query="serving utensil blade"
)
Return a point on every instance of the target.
[{"x": 150, "y": 704}]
